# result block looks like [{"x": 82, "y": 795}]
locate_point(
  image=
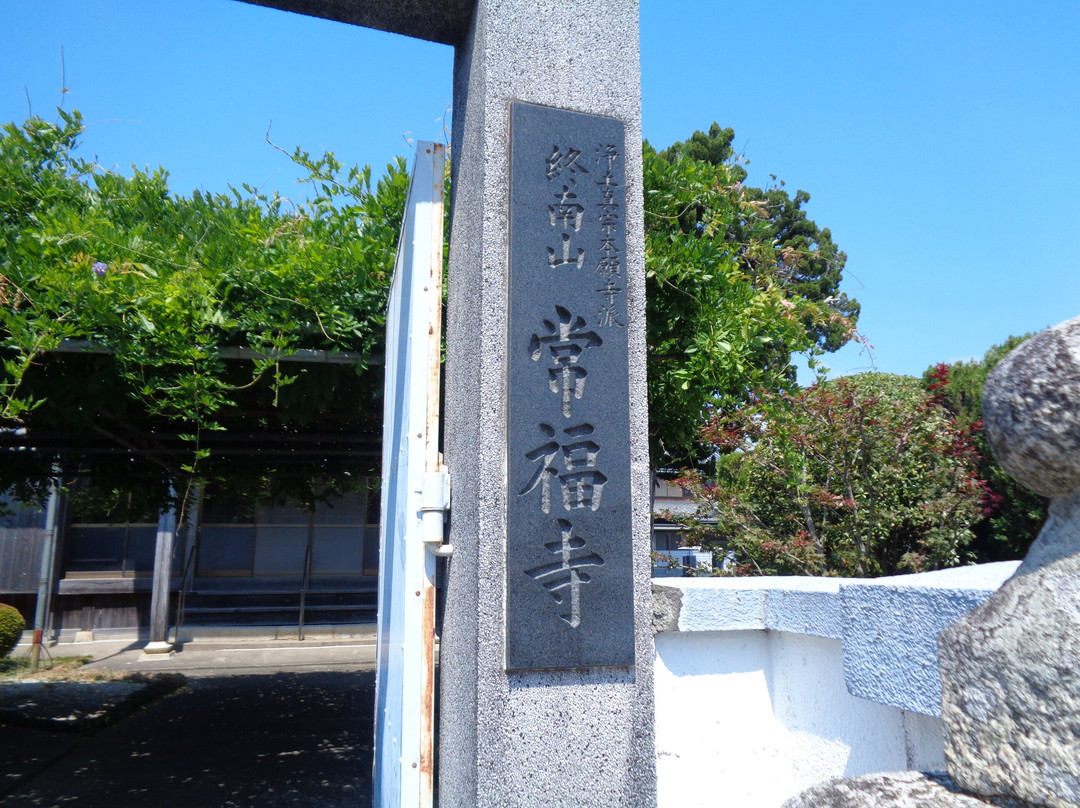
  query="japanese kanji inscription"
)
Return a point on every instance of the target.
[{"x": 569, "y": 586}]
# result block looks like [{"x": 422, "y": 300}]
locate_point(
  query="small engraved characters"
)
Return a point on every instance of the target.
[
  {"x": 609, "y": 265},
  {"x": 607, "y": 152},
  {"x": 567, "y": 213},
  {"x": 558, "y": 162},
  {"x": 565, "y": 340},
  {"x": 609, "y": 313},
  {"x": 580, "y": 482},
  {"x": 566, "y": 573}
]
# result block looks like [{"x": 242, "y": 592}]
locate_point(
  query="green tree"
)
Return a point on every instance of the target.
[
  {"x": 737, "y": 280},
  {"x": 1009, "y": 527},
  {"x": 158, "y": 286},
  {"x": 161, "y": 284},
  {"x": 865, "y": 475},
  {"x": 803, "y": 256}
]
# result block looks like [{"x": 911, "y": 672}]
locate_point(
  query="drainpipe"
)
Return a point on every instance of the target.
[
  {"x": 47, "y": 572},
  {"x": 159, "y": 647},
  {"x": 307, "y": 571}
]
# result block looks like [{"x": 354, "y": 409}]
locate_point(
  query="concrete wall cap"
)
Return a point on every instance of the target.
[
  {"x": 977, "y": 576},
  {"x": 888, "y": 626},
  {"x": 787, "y": 582}
]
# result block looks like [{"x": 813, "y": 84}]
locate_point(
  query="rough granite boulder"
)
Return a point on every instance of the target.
[
  {"x": 1031, "y": 407},
  {"x": 1010, "y": 669},
  {"x": 893, "y": 790}
]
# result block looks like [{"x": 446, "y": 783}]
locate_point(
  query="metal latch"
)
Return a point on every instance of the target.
[{"x": 434, "y": 506}]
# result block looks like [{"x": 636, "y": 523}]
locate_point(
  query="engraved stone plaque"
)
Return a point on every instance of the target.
[{"x": 569, "y": 588}]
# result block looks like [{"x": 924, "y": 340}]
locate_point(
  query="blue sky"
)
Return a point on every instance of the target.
[{"x": 940, "y": 141}]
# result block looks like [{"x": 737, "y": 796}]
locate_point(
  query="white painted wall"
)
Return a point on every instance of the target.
[
  {"x": 750, "y": 718},
  {"x": 754, "y": 690}
]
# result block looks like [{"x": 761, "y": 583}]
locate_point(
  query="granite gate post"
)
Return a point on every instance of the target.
[
  {"x": 546, "y": 652},
  {"x": 546, "y": 655}
]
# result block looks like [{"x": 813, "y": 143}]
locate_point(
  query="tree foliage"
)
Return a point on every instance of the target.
[
  {"x": 1017, "y": 515},
  {"x": 801, "y": 255},
  {"x": 737, "y": 280},
  {"x": 163, "y": 282},
  {"x": 865, "y": 475},
  {"x": 158, "y": 286}
]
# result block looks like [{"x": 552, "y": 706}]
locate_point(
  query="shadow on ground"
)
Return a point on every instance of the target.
[{"x": 284, "y": 739}]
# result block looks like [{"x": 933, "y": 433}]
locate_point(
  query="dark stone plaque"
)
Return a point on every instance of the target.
[{"x": 569, "y": 588}]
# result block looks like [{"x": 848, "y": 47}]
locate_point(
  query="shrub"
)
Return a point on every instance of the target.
[
  {"x": 1007, "y": 530},
  {"x": 11, "y": 628},
  {"x": 865, "y": 475}
]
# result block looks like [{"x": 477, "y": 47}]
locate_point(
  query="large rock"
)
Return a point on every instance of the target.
[
  {"x": 1031, "y": 406},
  {"x": 1010, "y": 669},
  {"x": 892, "y": 790},
  {"x": 1010, "y": 673}
]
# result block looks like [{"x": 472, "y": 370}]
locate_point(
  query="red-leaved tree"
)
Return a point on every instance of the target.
[{"x": 866, "y": 475}]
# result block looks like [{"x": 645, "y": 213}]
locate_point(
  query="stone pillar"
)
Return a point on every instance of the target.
[
  {"x": 579, "y": 737},
  {"x": 159, "y": 596}
]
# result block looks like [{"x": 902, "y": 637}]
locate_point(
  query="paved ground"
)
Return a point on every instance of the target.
[{"x": 258, "y": 724}]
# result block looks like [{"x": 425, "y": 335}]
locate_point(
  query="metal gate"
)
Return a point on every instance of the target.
[{"x": 415, "y": 495}]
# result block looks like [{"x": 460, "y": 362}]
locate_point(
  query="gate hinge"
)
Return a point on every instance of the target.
[{"x": 434, "y": 507}]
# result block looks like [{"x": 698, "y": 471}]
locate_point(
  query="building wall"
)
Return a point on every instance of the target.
[
  {"x": 20, "y": 559},
  {"x": 249, "y": 566}
]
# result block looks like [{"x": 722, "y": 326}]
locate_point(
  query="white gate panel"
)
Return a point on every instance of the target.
[{"x": 414, "y": 496}]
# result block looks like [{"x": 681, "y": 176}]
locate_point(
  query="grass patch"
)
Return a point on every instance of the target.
[
  {"x": 51, "y": 667},
  {"x": 63, "y": 695}
]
